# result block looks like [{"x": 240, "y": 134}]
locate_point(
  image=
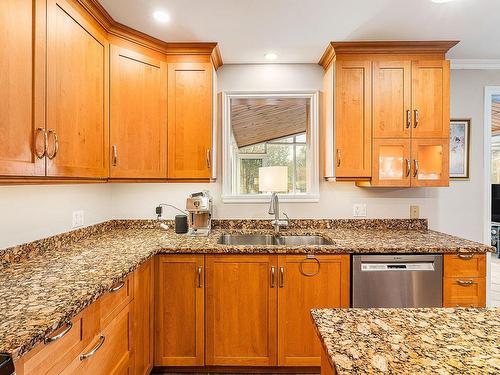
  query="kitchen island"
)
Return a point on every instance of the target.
[{"x": 409, "y": 341}]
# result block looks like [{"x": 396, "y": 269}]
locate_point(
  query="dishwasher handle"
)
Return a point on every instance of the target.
[{"x": 400, "y": 266}]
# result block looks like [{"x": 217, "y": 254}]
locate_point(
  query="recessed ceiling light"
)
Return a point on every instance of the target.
[
  {"x": 442, "y": 1},
  {"x": 161, "y": 16},
  {"x": 271, "y": 56}
]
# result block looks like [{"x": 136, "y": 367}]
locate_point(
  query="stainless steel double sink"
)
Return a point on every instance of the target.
[{"x": 272, "y": 240}]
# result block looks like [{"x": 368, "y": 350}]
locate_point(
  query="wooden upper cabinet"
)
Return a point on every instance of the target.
[
  {"x": 391, "y": 99},
  {"x": 353, "y": 125},
  {"x": 22, "y": 78},
  {"x": 430, "y": 159},
  {"x": 189, "y": 120},
  {"x": 391, "y": 162},
  {"x": 431, "y": 99},
  {"x": 180, "y": 311},
  {"x": 77, "y": 94},
  {"x": 138, "y": 115},
  {"x": 304, "y": 284},
  {"x": 241, "y": 310}
]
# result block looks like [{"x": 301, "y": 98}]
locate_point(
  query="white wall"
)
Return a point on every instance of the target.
[{"x": 29, "y": 213}]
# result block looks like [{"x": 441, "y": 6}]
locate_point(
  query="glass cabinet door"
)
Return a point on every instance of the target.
[
  {"x": 430, "y": 162},
  {"x": 391, "y": 162}
]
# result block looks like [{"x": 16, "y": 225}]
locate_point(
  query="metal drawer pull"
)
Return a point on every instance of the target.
[
  {"x": 408, "y": 167},
  {"x": 415, "y": 124},
  {"x": 94, "y": 349},
  {"x": 273, "y": 270},
  {"x": 117, "y": 287},
  {"x": 338, "y": 158},
  {"x": 282, "y": 277},
  {"x": 48, "y": 340},
  {"x": 408, "y": 118},
  {"x": 39, "y": 131},
  {"x": 200, "y": 270},
  {"x": 301, "y": 265},
  {"x": 115, "y": 155},
  {"x": 56, "y": 143},
  {"x": 465, "y": 256},
  {"x": 415, "y": 165},
  {"x": 465, "y": 282}
]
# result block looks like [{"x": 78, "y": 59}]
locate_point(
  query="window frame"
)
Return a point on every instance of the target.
[{"x": 230, "y": 162}]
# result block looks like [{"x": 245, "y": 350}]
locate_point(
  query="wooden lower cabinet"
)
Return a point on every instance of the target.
[
  {"x": 241, "y": 308},
  {"x": 110, "y": 353},
  {"x": 143, "y": 323},
  {"x": 179, "y": 315},
  {"x": 306, "y": 283},
  {"x": 464, "y": 283}
]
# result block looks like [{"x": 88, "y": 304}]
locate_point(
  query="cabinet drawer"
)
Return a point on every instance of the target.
[
  {"x": 62, "y": 346},
  {"x": 465, "y": 265},
  {"x": 109, "y": 353},
  {"x": 465, "y": 292},
  {"x": 115, "y": 300}
]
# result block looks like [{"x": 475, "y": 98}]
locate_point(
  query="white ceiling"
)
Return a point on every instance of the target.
[{"x": 299, "y": 30}]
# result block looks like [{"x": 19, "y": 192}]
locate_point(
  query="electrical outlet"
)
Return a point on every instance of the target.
[
  {"x": 78, "y": 219},
  {"x": 359, "y": 210},
  {"x": 414, "y": 212}
]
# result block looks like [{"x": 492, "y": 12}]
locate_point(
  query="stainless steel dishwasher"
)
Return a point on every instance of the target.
[{"x": 397, "y": 280}]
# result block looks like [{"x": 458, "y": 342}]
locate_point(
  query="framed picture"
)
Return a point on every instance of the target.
[{"x": 459, "y": 149}]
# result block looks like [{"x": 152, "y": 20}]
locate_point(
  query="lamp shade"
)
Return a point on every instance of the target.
[{"x": 273, "y": 179}]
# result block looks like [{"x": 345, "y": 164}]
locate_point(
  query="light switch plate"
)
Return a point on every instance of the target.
[
  {"x": 359, "y": 210},
  {"x": 414, "y": 212}
]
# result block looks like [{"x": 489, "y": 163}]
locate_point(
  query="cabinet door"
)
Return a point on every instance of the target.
[
  {"x": 430, "y": 162},
  {"x": 138, "y": 115},
  {"x": 189, "y": 120},
  {"x": 143, "y": 318},
  {"x": 391, "y": 162},
  {"x": 110, "y": 353},
  {"x": 353, "y": 114},
  {"x": 22, "y": 97},
  {"x": 241, "y": 310},
  {"x": 431, "y": 99},
  {"x": 305, "y": 284},
  {"x": 391, "y": 99},
  {"x": 77, "y": 92},
  {"x": 180, "y": 311}
]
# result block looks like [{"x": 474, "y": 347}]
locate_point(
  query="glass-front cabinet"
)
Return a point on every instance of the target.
[{"x": 404, "y": 162}]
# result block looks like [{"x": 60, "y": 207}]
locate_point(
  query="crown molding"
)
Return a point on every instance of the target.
[
  {"x": 478, "y": 64},
  {"x": 122, "y": 31},
  {"x": 385, "y": 47}
]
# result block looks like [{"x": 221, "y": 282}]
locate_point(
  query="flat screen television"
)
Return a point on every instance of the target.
[{"x": 495, "y": 203}]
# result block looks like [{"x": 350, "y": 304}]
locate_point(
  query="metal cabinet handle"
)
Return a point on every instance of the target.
[
  {"x": 338, "y": 158},
  {"x": 465, "y": 256},
  {"x": 408, "y": 118},
  {"x": 408, "y": 167},
  {"x": 199, "y": 272},
  {"x": 56, "y": 143},
  {"x": 415, "y": 167},
  {"x": 282, "y": 277},
  {"x": 465, "y": 282},
  {"x": 115, "y": 155},
  {"x": 94, "y": 349},
  {"x": 415, "y": 121},
  {"x": 38, "y": 154},
  {"x": 273, "y": 270},
  {"x": 209, "y": 159},
  {"x": 48, "y": 340},
  {"x": 117, "y": 287}
]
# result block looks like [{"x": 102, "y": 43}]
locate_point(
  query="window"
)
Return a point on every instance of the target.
[{"x": 262, "y": 130}]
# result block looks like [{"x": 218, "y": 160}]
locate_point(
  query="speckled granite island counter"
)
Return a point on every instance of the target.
[
  {"x": 46, "y": 282},
  {"x": 410, "y": 341}
]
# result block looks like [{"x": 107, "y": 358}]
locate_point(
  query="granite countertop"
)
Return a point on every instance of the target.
[
  {"x": 46, "y": 282},
  {"x": 411, "y": 341}
]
